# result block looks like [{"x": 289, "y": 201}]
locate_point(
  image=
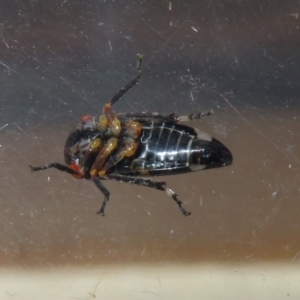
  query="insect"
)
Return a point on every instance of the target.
[{"x": 129, "y": 146}]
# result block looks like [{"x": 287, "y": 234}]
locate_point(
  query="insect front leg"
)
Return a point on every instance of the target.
[
  {"x": 110, "y": 120},
  {"x": 57, "y": 166},
  {"x": 104, "y": 153},
  {"x": 107, "y": 109},
  {"x": 159, "y": 185}
]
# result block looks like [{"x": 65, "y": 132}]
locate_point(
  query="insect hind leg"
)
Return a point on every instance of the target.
[
  {"x": 175, "y": 197},
  {"x": 104, "y": 191},
  {"x": 158, "y": 117},
  {"x": 159, "y": 185}
]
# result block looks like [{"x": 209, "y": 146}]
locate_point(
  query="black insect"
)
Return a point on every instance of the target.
[{"x": 128, "y": 146}]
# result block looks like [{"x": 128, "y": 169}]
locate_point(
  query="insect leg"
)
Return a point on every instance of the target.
[
  {"x": 107, "y": 109},
  {"x": 110, "y": 119},
  {"x": 55, "y": 165},
  {"x": 159, "y": 185},
  {"x": 102, "y": 156},
  {"x": 193, "y": 116},
  {"x": 177, "y": 200},
  {"x": 133, "y": 82},
  {"x": 157, "y": 117},
  {"x": 105, "y": 192}
]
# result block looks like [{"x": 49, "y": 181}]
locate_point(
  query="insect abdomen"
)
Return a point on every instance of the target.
[
  {"x": 163, "y": 148},
  {"x": 170, "y": 148}
]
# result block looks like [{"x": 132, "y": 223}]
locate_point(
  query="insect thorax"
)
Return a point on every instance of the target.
[{"x": 106, "y": 141}]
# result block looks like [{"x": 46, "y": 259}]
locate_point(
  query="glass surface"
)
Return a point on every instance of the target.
[{"x": 61, "y": 60}]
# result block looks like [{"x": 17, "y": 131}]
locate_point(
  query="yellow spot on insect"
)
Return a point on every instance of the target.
[
  {"x": 130, "y": 150},
  {"x": 133, "y": 129},
  {"x": 93, "y": 172},
  {"x": 116, "y": 127},
  {"x": 112, "y": 143},
  {"x": 101, "y": 173},
  {"x": 96, "y": 144},
  {"x": 102, "y": 123},
  {"x": 144, "y": 172}
]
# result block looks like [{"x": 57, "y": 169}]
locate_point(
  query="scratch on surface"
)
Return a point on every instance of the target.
[
  {"x": 21, "y": 129},
  {"x": 296, "y": 15},
  {"x": 194, "y": 28},
  {"x": 143, "y": 251},
  {"x": 110, "y": 45},
  {"x": 4, "y": 65},
  {"x": 4, "y": 41},
  {"x": 74, "y": 89},
  {"x": 253, "y": 127},
  {"x": 4, "y": 126},
  {"x": 276, "y": 208},
  {"x": 153, "y": 293},
  {"x": 152, "y": 28},
  {"x": 167, "y": 40},
  {"x": 48, "y": 48},
  {"x": 296, "y": 257},
  {"x": 93, "y": 295}
]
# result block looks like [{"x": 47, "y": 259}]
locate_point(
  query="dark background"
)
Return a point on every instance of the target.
[{"x": 60, "y": 60}]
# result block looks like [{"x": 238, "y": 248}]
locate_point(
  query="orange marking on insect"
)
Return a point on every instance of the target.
[
  {"x": 130, "y": 149},
  {"x": 105, "y": 151},
  {"x": 76, "y": 168},
  {"x": 134, "y": 129},
  {"x": 86, "y": 118},
  {"x": 107, "y": 109}
]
